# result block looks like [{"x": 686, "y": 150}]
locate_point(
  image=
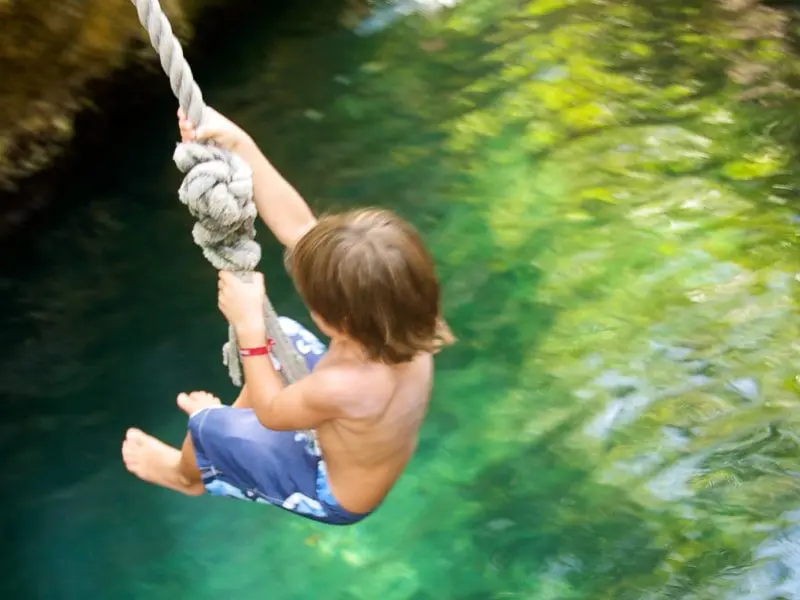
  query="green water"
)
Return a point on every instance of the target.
[{"x": 611, "y": 192}]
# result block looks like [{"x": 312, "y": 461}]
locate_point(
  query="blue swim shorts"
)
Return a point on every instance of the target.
[{"x": 240, "y": 458}]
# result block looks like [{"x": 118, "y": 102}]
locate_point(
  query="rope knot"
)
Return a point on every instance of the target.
[{"x": 217, "y": 190}]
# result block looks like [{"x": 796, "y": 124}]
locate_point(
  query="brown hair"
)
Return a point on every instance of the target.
[{"x": 369, "y": 276}]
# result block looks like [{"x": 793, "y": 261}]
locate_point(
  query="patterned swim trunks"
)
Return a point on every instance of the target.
[{"x": 240, "y": 458}]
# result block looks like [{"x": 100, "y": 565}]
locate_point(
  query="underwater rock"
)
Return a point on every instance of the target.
[{"x": 746, "y": 387}]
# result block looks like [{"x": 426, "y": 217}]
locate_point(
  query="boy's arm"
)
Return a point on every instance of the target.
[
  {"x": 305, "y": 404},
  {"x": 280, "y": 206},
  {"x": 278, "y": 203}
]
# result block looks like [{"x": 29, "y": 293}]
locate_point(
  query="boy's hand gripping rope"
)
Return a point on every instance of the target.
[{"x": 218, "y": 190}]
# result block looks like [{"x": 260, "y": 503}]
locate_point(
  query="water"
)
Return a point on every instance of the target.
[{"x": 610, "y": 190}]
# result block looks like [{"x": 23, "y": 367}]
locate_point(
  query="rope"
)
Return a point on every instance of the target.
[{"x": 218, "y": 191}]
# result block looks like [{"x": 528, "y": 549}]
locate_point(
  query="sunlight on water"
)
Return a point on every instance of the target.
[{"x": 384, "y": 16}]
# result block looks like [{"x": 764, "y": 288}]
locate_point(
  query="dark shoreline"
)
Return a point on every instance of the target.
[{"x": 137, "y": 98}]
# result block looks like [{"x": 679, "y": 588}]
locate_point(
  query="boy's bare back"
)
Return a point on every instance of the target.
[{"x": 367, "y": 451}]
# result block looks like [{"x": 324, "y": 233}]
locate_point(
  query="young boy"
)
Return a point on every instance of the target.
[{"x": 371, "y": 288}]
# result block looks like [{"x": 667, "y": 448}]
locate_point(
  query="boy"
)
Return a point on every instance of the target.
[{"x": 371, "y": 288}]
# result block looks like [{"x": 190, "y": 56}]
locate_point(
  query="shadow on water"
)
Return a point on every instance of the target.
[{"x": 611, "y": 208}]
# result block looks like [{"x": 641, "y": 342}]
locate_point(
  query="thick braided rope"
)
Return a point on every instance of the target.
[{"x": 217, "y": 190}]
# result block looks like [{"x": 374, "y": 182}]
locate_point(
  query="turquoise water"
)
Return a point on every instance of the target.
[{"x": 611, "y": 192}]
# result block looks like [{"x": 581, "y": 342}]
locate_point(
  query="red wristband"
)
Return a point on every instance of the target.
[{"x": 258, "y": 350}]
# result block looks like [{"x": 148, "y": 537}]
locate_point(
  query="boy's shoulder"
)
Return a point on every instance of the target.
[{"x": 359, "y": 390}]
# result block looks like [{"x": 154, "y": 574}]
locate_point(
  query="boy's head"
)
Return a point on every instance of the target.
[{"x": 366, "y": 274}]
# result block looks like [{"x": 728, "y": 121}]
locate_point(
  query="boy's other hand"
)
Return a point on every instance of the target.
[
  {"x": 215, "y": 127},
  {"x": 242, "y": 302}
]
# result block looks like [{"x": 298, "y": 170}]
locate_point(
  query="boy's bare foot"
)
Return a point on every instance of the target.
[
  {"x": 191, "y": 403},
  {"x": 155, "y": 462}
]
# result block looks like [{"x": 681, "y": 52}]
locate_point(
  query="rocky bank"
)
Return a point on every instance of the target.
[{"x": 50, "y": 53}]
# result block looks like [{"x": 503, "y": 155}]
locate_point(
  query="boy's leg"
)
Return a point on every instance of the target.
[
  {"x": 190, "y": 404},
  {"x": 188, "y": 463},
  {"x": 243, "y": 401},
  {"x": 154, "y": 461}
]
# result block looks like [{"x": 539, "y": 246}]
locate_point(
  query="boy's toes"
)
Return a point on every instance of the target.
[
  {"x": 191, "y": 403},
  {"x": 204, "y": 398},
  {"x": 134, "y": 440},
  {"x": 186, "y": 403},
  {"x": 135, "y": 436}
]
